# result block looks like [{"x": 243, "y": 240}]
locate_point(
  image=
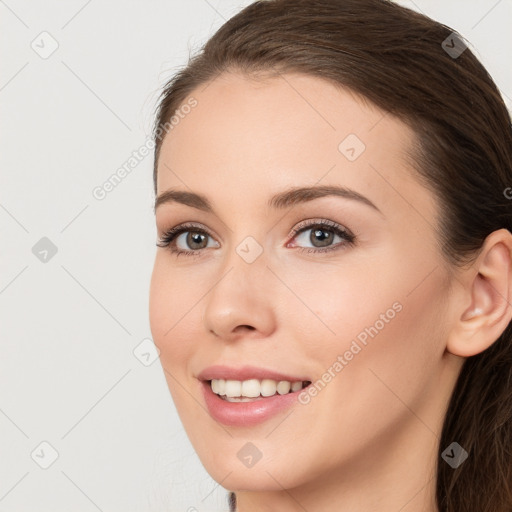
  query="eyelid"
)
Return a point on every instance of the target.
[
  {"x": 304, "y": 224},
  {"x": 320, "y": 222},
  {"x": 188, "y": 226}
]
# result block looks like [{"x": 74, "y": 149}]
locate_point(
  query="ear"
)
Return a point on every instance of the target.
[{"x": 488, "y": 290}]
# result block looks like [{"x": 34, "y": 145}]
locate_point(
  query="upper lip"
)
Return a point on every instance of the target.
[{"x": 245, "y": 373}]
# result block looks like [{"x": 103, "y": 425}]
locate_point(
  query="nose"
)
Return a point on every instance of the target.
[{"x": 241, "y": 303}]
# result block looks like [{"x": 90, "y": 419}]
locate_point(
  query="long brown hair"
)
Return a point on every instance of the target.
[{"x": 406, "y": 64}]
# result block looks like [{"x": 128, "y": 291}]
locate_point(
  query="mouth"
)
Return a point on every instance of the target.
[
  {"x": 246, "y": 403},
  {"x": 252, "y": 390}
]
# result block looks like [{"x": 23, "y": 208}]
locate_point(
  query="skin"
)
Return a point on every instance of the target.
[{"x": 368, "y": 441}]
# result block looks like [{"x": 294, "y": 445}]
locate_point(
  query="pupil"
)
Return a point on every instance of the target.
[
  {"x": 325, "y": 240},
  {"x": 194, "y": 238}
]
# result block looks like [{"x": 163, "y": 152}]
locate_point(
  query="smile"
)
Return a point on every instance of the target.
[{"x": 254, "y": 389}]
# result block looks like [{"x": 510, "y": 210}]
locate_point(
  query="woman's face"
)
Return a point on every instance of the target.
[{"x": 346, "y": 290}]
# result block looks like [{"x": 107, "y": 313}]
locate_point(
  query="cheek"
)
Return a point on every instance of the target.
[
  {"x": 337, "y": 303},
  {"x": 171, "y": 309},
  {"x": 392, "y": 350},
  {"x": 170, "y": 313},
  {"x": 379, "y": 330}
]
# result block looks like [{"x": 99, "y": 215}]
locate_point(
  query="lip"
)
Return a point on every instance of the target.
[
  {"x": 246, "y": 373},
  {"x": 245, "y": 414}
]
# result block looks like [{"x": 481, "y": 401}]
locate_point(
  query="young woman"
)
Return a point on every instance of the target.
[{"x": 332, "y": 285}]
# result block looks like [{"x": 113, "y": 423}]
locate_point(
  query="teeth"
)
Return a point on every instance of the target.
[
  {"x": 233, "y": 388},
  {"x": 253, "y": 388},
  {"x": 296, "y": 386},
  {"x": 284, "y": 387},
  {"x": 250, "y": 388}
]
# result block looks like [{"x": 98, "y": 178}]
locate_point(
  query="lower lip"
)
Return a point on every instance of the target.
[{"x": 245, "y": 414}]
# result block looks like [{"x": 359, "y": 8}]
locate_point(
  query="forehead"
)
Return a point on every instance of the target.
[
  {"x": 285, "y": 114},
  {"x": 247, "y": 137}
]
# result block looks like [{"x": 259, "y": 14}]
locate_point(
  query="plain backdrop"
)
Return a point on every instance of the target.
[{"x": 78, "y": 395}]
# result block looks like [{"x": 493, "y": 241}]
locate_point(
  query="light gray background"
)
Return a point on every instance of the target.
[{"x": 69, "y": 326}]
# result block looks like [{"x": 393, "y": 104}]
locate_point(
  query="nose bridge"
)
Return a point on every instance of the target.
[
  {"x": 241, "y": 295},
  {"x": 245, "y": 272},
  {"x": 246, "y": 259}
]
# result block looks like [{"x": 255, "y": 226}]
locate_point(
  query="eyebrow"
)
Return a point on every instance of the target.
[{"x": 289, "y": 197}]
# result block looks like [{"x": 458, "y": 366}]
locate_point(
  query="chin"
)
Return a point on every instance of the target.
[{"x": 262, "y": 476}]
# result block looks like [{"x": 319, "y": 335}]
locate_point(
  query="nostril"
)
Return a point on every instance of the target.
[{"x": 250, "y": 327}]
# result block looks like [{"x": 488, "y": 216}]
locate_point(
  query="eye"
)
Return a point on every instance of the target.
[
  {"x": 189, "y": 235},
  {"x": 322, "y": 234},
  {"x": 190, "y": 239}
]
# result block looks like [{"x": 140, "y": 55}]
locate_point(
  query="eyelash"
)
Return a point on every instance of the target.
[{"x": 349, "y": 239}]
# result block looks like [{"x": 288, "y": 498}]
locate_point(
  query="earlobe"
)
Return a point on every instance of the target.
[{"x": 489, "y": 287}]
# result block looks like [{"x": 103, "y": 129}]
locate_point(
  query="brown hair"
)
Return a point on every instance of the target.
[{"x": 396, "y": 58}]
